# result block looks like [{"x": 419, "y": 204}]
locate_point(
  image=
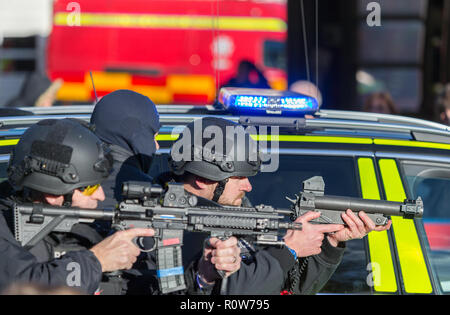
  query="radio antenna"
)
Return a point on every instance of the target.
[{"x": 93, "y": 86}]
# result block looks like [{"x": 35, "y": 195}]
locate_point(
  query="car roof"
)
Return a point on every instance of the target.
[
  {"x": 329, "y": 132},
  {"x": 339, "y": 123}
]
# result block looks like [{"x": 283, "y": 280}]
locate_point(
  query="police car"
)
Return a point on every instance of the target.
[{"x": 372, "y": 156}]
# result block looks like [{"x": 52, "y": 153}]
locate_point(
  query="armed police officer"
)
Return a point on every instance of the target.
[
  {"x": 217, "y": 171},
  {"x": 61, "y": 163},
  {"x": 128, "y": 122}
]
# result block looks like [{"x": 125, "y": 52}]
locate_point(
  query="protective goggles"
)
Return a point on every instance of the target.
[{"x": 90, "y": 190}]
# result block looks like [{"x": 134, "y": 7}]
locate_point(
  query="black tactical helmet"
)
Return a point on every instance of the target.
[
  {"x": 217, "y": 149},
  {"x": 56, "y": 156}
]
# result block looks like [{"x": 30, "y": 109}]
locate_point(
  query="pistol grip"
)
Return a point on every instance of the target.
[{"x": 220, "y": 273}]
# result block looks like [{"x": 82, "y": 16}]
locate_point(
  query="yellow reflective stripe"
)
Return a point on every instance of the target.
[
  {"x": 347, "y": 140},
  {"x": 74, "y": 91},
  {"x": 410, "y": 143},
  {"x": 322, "y": 139},
  {"x": 289, "y": 138},
  {"x": 380, "y": 252},
  {"x": 191, "y": 84},
  {"x": 8, "y": 142},
  {"x": 166, "y": 137},
  {"x": 412, "y": 263},
  {"x": 162, "y": 21},
  {"x": 158, "y": 94},
  {"x": 106, "y": 81}
]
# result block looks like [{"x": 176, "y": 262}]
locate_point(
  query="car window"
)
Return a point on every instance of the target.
[
  {"x": 273, "y": 187},
  {"x": 339, "y": 174},
  {"x": 431, "y": 181}
]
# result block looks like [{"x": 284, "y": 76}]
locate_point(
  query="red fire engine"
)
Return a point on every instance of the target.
[{"x": 174, "y": 51}]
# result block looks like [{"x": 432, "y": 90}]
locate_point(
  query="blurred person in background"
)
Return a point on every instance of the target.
[
  {"x": 443, "y": 103},
  {"x": 248, "y": 76},
  {"x": 307, "y": 88},
  {"x": 380, "y": 102},
  {"x": 37, "y": 90}
]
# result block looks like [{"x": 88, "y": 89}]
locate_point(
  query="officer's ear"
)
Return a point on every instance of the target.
[
  {"x": 54, "y": 200},
  {"x": 203, "y": 183},
  {"x": 200, "y": 183}
]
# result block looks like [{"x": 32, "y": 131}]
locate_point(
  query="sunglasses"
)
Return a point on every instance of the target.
[{"x": 90, "y": 190}]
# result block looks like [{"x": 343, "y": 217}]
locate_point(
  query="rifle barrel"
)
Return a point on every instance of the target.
[{"x": 367, "y": 205}]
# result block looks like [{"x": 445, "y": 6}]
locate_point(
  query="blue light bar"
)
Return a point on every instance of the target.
[
  {"x": 250, "y": 101},
  {"x": 265, "y": 101}
]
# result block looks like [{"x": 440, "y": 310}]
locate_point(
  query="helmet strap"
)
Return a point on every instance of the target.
[
  {"x": 68, "y": 200},
  {"x": 219, "y": 190}
]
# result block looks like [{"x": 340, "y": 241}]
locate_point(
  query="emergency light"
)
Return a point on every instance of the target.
[{"x": 266, "y": 101}]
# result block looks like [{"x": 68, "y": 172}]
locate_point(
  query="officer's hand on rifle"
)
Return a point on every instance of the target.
[
  {"x": 357, "y": 226},
  {"x": 117, "y": 251},
  {"x": 308, "y": 241},
  {"x": 219, "y": 255}
]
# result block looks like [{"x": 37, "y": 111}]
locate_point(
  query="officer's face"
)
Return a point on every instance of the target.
[
  {"x": 234, "y": 191},
  {"x": 87, "y": 202},
  {"x": 79, "y": 199}
]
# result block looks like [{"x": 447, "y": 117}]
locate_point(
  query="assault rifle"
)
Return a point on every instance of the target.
[
  {"x": 172, "y": 211},
  {"x": 169, "y": 212}
]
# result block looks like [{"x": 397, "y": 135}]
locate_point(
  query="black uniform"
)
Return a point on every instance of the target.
[
  {"x": 270, "y": 271},
  {"x": 21, "y": 266},
  {"x": 51, "y": 158}
]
